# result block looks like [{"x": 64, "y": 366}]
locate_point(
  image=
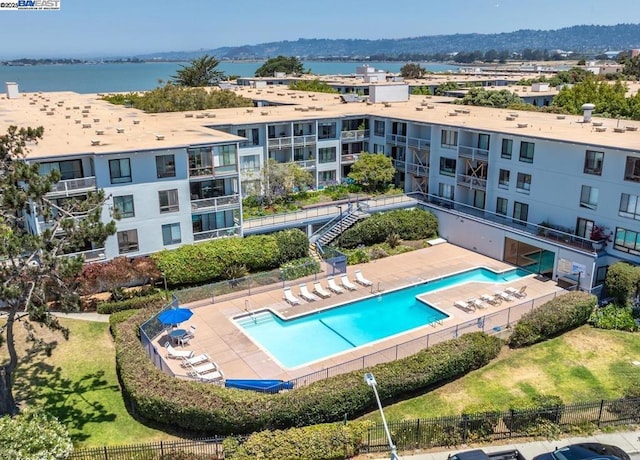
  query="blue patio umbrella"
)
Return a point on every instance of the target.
[{"x": 175, "y": 315}]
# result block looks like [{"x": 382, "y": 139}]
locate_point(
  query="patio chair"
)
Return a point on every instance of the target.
[
  {"x": 203, "y": 369},
  {"x": 361, "y": 279},
  {"x": 478, "y": 303},
  {"x": 174, "y": 353},
  {"x": 290, "y": 298},
  {"x": 520, "y": 293},
  {"x": 319, "y": 290},
  {"x": 463, "y": 305},
  {"x": 211, "y": 377},
  {"x": 196, "y": 360},
  {"x": 490, "y": 299},
  {"x": 504, "y": 295},
  {"x": 347, "y": 283},
  {"x": 333, "y": 287},
  {"x": 190, "y": 334},
  {"x": 306, "y": 295}
]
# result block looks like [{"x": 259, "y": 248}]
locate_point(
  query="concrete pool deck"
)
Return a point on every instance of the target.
[{"x": 240, "y": 358}]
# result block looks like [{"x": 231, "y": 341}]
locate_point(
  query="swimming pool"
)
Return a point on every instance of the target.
[{"x": 304, "y": 339}]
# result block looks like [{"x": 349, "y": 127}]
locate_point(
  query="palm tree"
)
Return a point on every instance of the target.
[{"x": 200, "y": 72}]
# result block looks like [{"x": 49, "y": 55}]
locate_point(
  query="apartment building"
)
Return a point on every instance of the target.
[{"x": 523, "y": 187}]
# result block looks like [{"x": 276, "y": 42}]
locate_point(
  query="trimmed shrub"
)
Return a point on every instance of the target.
[
  {"x": 210, "y": 409},
  {"x": 292, "y": 245},
  {"x": 621, "y": 282},
  {"x": 119, "y": 317},
  {"x": 552, "y": 318},
  {"x": 34, "y": 436},
  {"x": 299, "y": 268},
  {"x": 356, "y": 256},
  {"x": 408, "y": 224},
  {"x": 152, "y": 301},
  {"x": 613, "y": 317},
  {"x": 327, "y": 441}
]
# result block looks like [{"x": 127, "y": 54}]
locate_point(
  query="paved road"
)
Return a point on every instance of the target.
[{"x": 629, "y": 441}]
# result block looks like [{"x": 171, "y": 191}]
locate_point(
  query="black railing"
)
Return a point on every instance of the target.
[{"x": 210, "y": 448}]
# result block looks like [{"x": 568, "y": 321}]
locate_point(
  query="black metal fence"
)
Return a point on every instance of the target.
[
  {"x": 457, "y": 430},
  {"x": 201, "y": 449}
]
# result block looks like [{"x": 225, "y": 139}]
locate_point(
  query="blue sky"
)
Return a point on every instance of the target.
[{"x": 87, "y": 28}]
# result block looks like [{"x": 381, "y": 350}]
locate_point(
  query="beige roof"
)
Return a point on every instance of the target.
[{"x": 72, "y": 121}]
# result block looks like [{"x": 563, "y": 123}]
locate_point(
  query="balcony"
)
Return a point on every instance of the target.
[
  {"x": 349, "y": 158},
  {"x": 306, "y": 164},
  {"x": 201, "y": 171},
  {"x": 473, "y": 152},
  {"x": 472, "y": 181},
  {"x": 217, "y": 233},
  {"x": 420, "y": 144},
  {"x": 92, "y": 255},
  {"x": 217, "y": 203},
  {"x": 302, "y": 141},
  {"x": 354, "y": 135},
  {"x": 418, "y": 169},
  {"x": 279, "y": 143},
  {"x": 396, "y": 139},
  {"x": 70, "y": 187}
]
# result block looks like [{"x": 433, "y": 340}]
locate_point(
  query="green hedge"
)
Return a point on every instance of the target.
[
  {"x": 208, "y": 261},
  {"x": 613, "y": 317},
  {"x": 211, "y": 409},
  {"x": 409, "y": 224},
  {"x": 552, "y": 318},
  {"x": 621, "y": 281},
  {"x": 151, "y": 301},
  {"x": 318, "y": 442}
]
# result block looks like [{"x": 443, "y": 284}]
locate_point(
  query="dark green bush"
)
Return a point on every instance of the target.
[
  {"x": 408, "y": 224},
  {"x": 326, "y": 441},
  {"x": 356, "y": 256},
  {"x": 210, "y": 409},
  {"x": 292, "y": 245},
  {"x": 613, "y": 317},
  {"x": 550, "y": 319},
  {"x": 622, "y": 282},
  {"x": 119, "y": 317},
  {"x": 155, "y": 300},
  {"x": 300, "y": 268}
]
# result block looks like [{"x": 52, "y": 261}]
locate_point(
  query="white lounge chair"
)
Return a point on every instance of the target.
[
  {"x": 290, "y": 298},
  {"x": 174, "y": 353},
  {"x": 203, "y": 369},
  {"x": 306, "y": 295},
  {"x": 213, "y": 377},
  {"x": 347, "y": 283},
  {"x": 194, "y": 361},
  {"x": 517, "y": 292},
  {"x": 361, "y": 279},
  {"x": 319, "y": 290},
  {"x": 504, "y": 295},
  {"x": 333, "y": 287},
  {"x": 491, "y": 299},
  {"x": 463, "y": 305},
  {"x": 477, "y": 303}
]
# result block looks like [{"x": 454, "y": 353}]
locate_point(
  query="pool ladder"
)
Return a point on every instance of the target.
[
  {"x": 378, "y": 290},
  {"x": 247, "y": 305}
]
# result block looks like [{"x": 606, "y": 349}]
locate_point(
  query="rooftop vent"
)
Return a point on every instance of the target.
[
  {"x": 588, "y": 110},
  {"x": 12, "y": 90}
]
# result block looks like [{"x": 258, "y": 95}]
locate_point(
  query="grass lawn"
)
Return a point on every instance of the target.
[
  {"x": 586, "y": 364},
  {"x": 78, "y": 385}
]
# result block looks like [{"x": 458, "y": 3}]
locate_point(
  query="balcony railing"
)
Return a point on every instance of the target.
[
  {"x": 472, "y": 181},
  {"x": 355, "y": 135},
  {"x": 279, "y": 143},
  {"x": 92, "y": 255},
  {"x": 418, "y": 143},
  {"x": 201, "y": 171},
  {"x": 396, "y": 139},
  {"x": 399, "y": 165},
  {"x": 71, "y": 186},
  {"x": 472, "y": 152},
  {"x": 215, "y": 203},
  {"x": 217, "y": 233},
  {"x": 418, "y": 169},
  {"x": 349, "y": 157},
  {"x": 300, "y": 141},
  {"x": 306, "y": 164}
]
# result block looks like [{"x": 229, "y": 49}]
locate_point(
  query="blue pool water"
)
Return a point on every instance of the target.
[{"x": 318, "y": 335}]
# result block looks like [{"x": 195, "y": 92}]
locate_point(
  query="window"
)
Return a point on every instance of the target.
[
  {"x": 584, "y": 227},
  {"x": 526, "y": 151},
  {"x": 446, "y": 191},
  {"x": 520, "y": 212},
  {"x": 507, "y": 148},
  {"x": 168, "y": 201},
  {"x": 200, "y": 161},
  {"x": 327, "y": 155},
  {"x": 524, "y": 182},
  {"x": 124, "y": 206},
  {"x": 378, "y": 127},
  {"x": 627, "y": 241},
  {"x": 378, "y": 148},
  {"x": 589, "y": 197},
  {"x": 165, "y": 166},
  {"x": 327, "y": 176},
  {"x": 601, "y": 274},
  {"x": 327, "y": 130},
  {"x": 171, "y": 234},
  {"x": 127, "y": 241},
  {"x": 501, "y": 206},
  {"x": 120, "y": 170},
  {"x": 629, "y": 206},
  {"x": 632, "y": 170},
  {"x": 449, "y": 139},
  {"x": 249, "y": 163},
  {"x": 483, "y": 141},
  {"x": 70, "y": 169},
  {"x": 224, "y": 158},
  {"x": 593, "y": 162},
  {"x": 503, "y": 178},
  {"x": 447, "y": 166}
]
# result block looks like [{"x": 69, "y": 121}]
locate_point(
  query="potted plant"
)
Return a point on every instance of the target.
[{"x": 600, "y": 236}]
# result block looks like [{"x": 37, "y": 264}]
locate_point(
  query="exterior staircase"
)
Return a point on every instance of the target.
[{"x": 332, "y": 230}]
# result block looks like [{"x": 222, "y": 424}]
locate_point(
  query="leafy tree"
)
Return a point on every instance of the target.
[
  {"x": 34, "y": 436},
  {"x": 289, "y": 65},
  {"x": 442, "y": 88},
  {"x": 421, "y": 91},
  {"x": 631, "y": 66},
  {"x": 609, "y": 98},
  {"x": 312, "y": 85},
  {"x": 411, "y": 70},
  {"x": 35, "y": 271},
  {"x": 486, "y": 98},
  {"x": 281, "y": 180},
  {"x": 200, "y": 72},
  {"x": 373, "y": 171}
]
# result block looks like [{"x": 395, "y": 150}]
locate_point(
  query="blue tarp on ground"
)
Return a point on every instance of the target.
[{"x": 262, "y": 386}]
